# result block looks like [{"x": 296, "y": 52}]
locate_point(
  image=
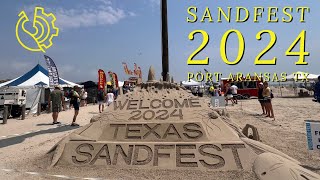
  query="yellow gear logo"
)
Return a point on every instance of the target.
[{"x": 44, "y": 31}]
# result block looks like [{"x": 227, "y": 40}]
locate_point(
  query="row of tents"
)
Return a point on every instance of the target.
[
  {"x": 39, "y": 76},
  {"x": 36, "y": 84}
]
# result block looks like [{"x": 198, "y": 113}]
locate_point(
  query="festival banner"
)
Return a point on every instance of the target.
[
  {"x": 102, "y": 80},
  {"x": 111, "y": 78},
  {"x": 115, "y": 78},
  {"x": 52, "y": 71}
]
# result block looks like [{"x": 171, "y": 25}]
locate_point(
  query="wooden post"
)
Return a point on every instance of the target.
[
  {"x": 39, "y": 109},
  {"x": 5, "y": 114},
  {"x": 23, "y": 112},
  {"x": 165, "y": 48}
]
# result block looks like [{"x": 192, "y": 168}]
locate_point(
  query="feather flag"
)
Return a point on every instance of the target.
[
  {"x": 113, "y": 79},
  {"x": 53, "y": 71},
  {"x": 102, "y": 80}
]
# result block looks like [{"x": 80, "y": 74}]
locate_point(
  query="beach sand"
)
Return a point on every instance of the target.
[{"x": 27, "y": 153}]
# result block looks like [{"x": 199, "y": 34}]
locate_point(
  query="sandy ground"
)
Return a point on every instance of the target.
[
  {"x": 23, "y": 155},
  {"x": 288, "y": 132}
]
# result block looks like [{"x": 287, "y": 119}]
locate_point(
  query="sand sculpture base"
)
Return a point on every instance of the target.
[{"x": 160, "y": 125}]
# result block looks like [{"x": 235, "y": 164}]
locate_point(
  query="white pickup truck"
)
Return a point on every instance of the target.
[{"x": 13, "y": 98}]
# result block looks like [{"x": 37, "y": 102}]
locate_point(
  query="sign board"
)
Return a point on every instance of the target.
[
  {"x": 7, "y": 102},
  {"x": 218, "y": 101},
  {"x": 313, "y": 134}
]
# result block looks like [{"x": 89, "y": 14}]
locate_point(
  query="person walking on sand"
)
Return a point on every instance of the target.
[
  {"x": 234, "y": 90},
  {"x": 75, "y": 101},
  {"x": 260, "y": 98},
  {"x": 228, "y": 94},
  {"x": 266, "y": 93},
  {"x": 110, "y": 97},
  {"x": 57, "y": 98},
  {"x": 101, "y": 99},
  {"x": 84, "y": 96}
]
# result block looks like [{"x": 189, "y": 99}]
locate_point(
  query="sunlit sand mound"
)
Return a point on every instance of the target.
[{"x": 160, "y": 125}]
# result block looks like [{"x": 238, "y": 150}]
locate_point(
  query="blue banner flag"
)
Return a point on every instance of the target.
[{"x": 53, "y": 71}]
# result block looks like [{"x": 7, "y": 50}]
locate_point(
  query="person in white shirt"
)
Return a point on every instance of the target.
[
  {"x": 84, "y": 96},
  {"x": 110, "y": 97},
  {"x": 234, "y": 90}
]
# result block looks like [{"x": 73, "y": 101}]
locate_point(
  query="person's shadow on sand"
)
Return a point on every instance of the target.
[
  {"x": 50, "y": 124},
  {"x": 19, "y": 139}
]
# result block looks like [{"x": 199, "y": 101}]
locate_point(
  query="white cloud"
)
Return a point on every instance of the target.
[
  {"x": 155, "y": 2},
  {"x": 132, "y": 14},
  {"x": 75, "y": 18},
  {"x": 66, "y": 69},
  {"x": 101, "y": 14}
]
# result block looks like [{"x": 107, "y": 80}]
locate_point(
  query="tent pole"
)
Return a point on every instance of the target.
[{"x": 280, "y": 88}]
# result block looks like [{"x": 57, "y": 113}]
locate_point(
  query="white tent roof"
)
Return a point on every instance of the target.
[
  {"x": 301, "y": 74},
  {"x": 120, "y": 83},
  {"x": 191, "y": 83},
  {"x": 38, "y": 76}
]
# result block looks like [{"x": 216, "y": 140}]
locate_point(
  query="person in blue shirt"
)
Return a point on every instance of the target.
[{"x": 317, "y": 90}]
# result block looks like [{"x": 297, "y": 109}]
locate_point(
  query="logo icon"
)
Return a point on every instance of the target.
[{"x": 44, "y": 27}]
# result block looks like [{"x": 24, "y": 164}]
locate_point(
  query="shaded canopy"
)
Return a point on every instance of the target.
[
  {"x": 300, "y": 76},
  {"x": 191, "y": 83},
  {"x": 38, "y": 76}
]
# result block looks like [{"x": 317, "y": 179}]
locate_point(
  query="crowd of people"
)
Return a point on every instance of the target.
[
  {"x": 231, "y": 93},
  {"x": 76, "y": 98},
  {"x": 107, "y": 98},
  {"x": 265, "y": 96},
  {"x": 58, "y": 98}
]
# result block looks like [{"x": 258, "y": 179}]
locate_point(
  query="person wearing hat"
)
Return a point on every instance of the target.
[
  {"x": 260, "y": 98},
  {"x": 211, "y": 90},
  {"x": 56, "y": 96}
]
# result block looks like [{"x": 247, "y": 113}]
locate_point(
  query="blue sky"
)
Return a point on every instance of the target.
[{"x": 103, "y": 33}]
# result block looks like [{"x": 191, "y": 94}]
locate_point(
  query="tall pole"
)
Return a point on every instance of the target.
[{"x": 165, "y": 48}]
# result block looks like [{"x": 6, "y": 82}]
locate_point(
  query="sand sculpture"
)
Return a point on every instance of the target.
[{"x": 160, "y": 125}]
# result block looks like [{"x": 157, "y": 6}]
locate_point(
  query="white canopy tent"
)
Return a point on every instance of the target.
[
  {"x": 191, "y": 83},
  {"x": 299, "y": 75},
  {"x": 120, "y": 83},
  {"x": 38, "y": 76}
]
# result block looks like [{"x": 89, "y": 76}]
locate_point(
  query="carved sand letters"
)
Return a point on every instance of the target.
[
  {"x": 208, "y": 156},
  {"x": 167, "y": 132}
]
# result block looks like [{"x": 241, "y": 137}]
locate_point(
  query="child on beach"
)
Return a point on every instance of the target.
[{"x": 110, "y": 97}]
